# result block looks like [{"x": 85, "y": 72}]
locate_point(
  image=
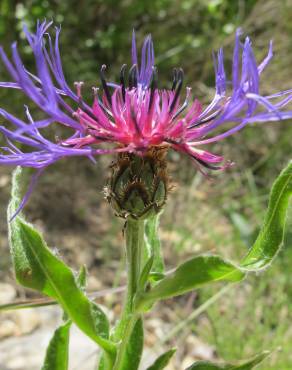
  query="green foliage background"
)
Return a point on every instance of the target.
[
  {"x": 185, "y": 32},
  {"x": 222, "y": 215}
]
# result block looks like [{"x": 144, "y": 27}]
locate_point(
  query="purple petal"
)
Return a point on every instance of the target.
[
  {"x": 147, "y": 61},
  {"x": 27, "y": 195},
  {"x": 134, "y": 49},
  {"x": 267, "y": 59},
  {"x": 235, "y": 63}
]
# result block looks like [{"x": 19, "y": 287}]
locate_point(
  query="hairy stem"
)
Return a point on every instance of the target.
[{"x": 134, "y": 251}]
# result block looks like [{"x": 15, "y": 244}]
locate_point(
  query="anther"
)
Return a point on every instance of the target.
[
  {"x": 78, "y": 86},
  {"x": 95, "y": 91},
  {"x": 174, "y": 81},
  {"x": 205, "y": 120},
  {"x": 134, "y": 119},
  {"x": 133, "y": 72},
  {"x": 206, "y": 164},
  {"x": 84, "y": 107},
  {"x": 122, "y": 80},
  {"x": 153, "y": 86},
  {"x": 104, "y": 84},
  {"x": 180, "y": 79},
  {"x": 185, "y": 104}
]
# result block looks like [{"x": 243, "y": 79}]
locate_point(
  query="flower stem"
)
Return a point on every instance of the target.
[{"x": 134, "y": 252}]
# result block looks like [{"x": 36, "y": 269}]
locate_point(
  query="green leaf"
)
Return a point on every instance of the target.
[
  {"x": 36, "y": 267},
  {"x": 145, "y": 273},
  {"x": 190, "y": 275},
  {"x": 134, "y": 349},
  {"x": 81, "y": 281},
  {"x": 206, "y": 269},
  {"x": 245, "y": 365},
  {"x": 152, "y": 243},
  {"x": 58, "y": 349},
  {"x": 101, "y": 364},
  {"x": 271, "y": 236},
  {"x": 82, "y": 277},
  {"x": 162, "y": 361},
  {"x": 155, "y": 276}
]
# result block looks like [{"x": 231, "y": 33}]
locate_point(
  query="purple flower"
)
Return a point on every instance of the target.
[{"x": 134, "y": 114}]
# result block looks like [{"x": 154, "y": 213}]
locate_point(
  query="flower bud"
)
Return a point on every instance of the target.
[{"x": 138, "y": 185}]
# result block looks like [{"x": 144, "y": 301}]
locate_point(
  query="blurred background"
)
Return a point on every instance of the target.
[{"x": 221, "y": 215}]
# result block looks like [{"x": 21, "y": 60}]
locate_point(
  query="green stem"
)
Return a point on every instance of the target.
[
  {"x": 134, "y": 246},
  {"x": 134, "y": 252}
]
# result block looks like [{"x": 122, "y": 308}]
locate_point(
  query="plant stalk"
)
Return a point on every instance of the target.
[{"x": 134, "y": 252}]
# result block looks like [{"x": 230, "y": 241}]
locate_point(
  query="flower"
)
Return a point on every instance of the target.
[
  {"x": 134, "y": 115},
  {"x": 139, "y": 185}
]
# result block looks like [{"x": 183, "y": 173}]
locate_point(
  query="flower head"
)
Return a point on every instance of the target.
[{"x": 133, "y": 115}]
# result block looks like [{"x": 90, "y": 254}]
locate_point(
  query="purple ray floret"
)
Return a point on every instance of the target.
[{"x": 134, "y": 114}]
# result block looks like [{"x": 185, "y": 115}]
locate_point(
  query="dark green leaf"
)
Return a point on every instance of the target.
[
  {"x": 190, "y": 275},
  {"x": 57, "y": 351},
  {"x": 38, "y": 268},
  {"x": 271, "y": 236},
  {"x": 152, "y": 243},
  {"x": 162, "y": 361},
  {"x": 245, "y": 365}
]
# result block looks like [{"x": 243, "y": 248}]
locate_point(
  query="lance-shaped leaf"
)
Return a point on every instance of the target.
[
  {"x": 190, "y": 275},
  {"x": 244, "y": 365},
  {"x": 145, "y": 273},
  {"x": 207, "y": 269},
  {"x": 82, "y": 278},
  {"x": 134, "y": 348},
  {"x": 271, "y": 236},
  {"x": 57, "y": 354},
  {"x": 36, "y": 267},
  {"x": 162, "y": 361},
  {"x": 58, "y": 349}
]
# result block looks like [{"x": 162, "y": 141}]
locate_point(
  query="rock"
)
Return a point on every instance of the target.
[
  {"x": 26, "y": 320},
  {"x": 7, "y": 328},
  {"x": 7, "y": 293},
  {"x": 187, "y": 361},
  {"x": 94, "y": 284},
  {"x": 4, "y": 181},
  {"x": 30, "y": 331},
  {"x": 17, "y": 323},
  {"x": 198, "y": 349}
]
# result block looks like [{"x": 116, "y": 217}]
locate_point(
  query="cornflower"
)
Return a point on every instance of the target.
[{"x": 134, "y": 115}]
